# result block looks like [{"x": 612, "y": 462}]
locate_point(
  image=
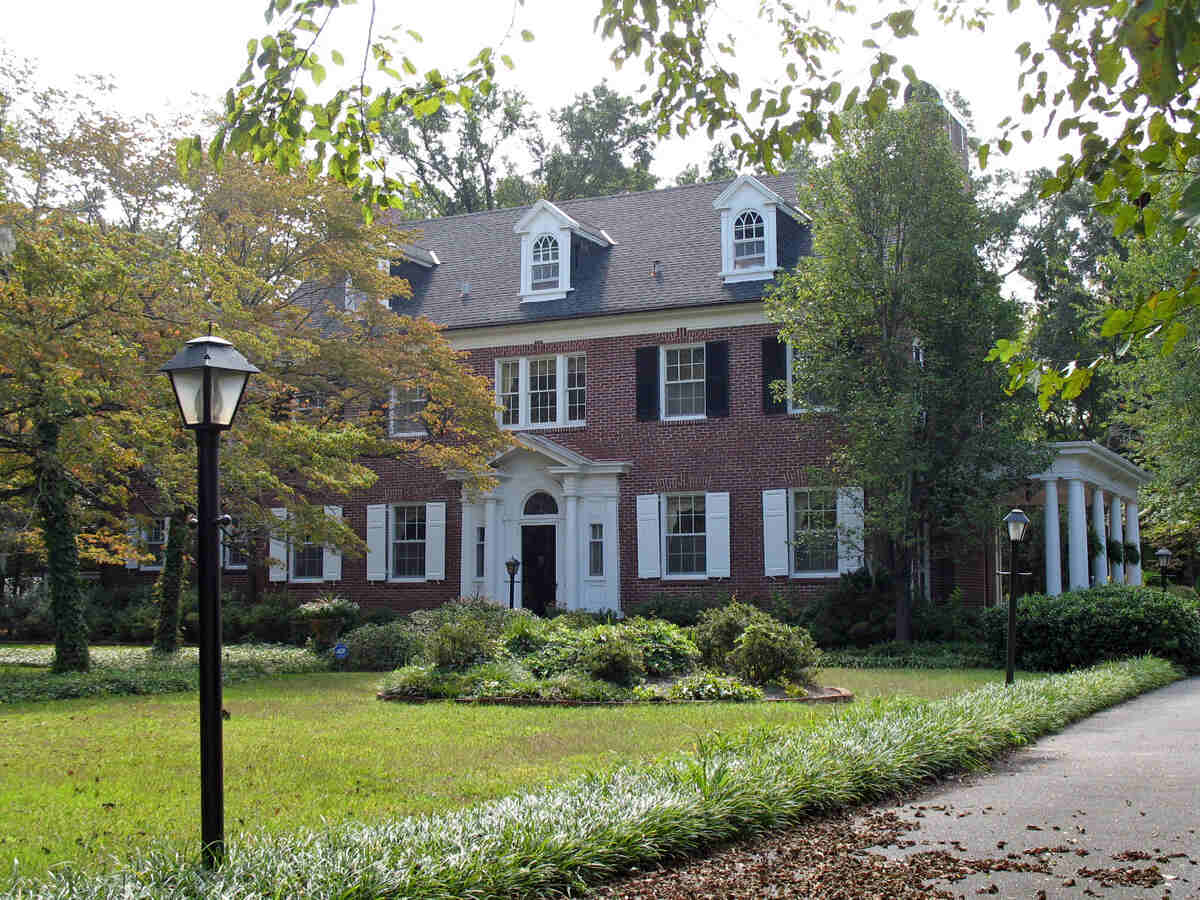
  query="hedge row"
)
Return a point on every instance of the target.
[{"x": 602, "y": 825}]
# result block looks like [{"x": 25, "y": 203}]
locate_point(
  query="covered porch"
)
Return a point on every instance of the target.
[{"x": 1083, "y": 476}]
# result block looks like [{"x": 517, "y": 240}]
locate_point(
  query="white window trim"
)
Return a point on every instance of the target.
[
  {"x": 778, "y": 537},
  {"x": 145, "y": 534},
  {"x": 662, "y": 383},
  {"x": 226, "y": 546},
  {"x": 791, "y": 526},
  {"x": 770, "y": 265},
  {"x": 662, "y": 530},
  {"x": 762, "y": 221},
  {"x": 392, "y": 432},
  {"x": 391, "y": 544},
  {"x": 793, "y": 407},
  {"x": 559, "y": 292},
  {"x": 293, "y": 578},
  {"x": 285, "y": 574},
  {"x": 557, "y": 262},
  {"x": 523, "y": 393},
  {"x": 603, "y": 553}
]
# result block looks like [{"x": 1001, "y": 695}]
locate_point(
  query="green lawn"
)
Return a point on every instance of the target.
[{"x": 84, "y": 780}]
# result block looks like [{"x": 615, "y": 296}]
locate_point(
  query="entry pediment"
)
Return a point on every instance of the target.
[{"x": 557, "y": 459}]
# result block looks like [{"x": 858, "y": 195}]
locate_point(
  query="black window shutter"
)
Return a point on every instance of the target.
[
  {"x": 647, "y": 383},
  {"x": 716, "y": 378},
  {"x": 774, "y": 366}
]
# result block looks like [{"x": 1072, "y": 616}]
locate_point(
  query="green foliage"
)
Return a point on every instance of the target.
[
  {"x": 459, "y": 645},
  {"x": 859, "y": 610},
  {"x": 605, "y": 823},
  {"x": 1082, "y": 628},
  {"x": 946, "y": 620},
  {"x": 680, "y": 609},
  {"x": 328, "y": 606},
  {"x": 665, "y": 649},
  {"x": 380, "y": 648},
  {"x": 1115, "y": 550},
  {"x": 717, "y": 631},
  {"x": 419, "y": 682},
  {"x": 494, "y": 680},
  {"x": 768, "y": 652},
  {"x": 915, "y": 655},
  {"x": 136, "y": 671},
  {"x": 166, "y": 629},
  {"x": 526, "y": 635},
  {"x": 488, "y": 616},
  {"x": 1133, "y": 554},
  {"x": 706, "y": 685},
  {"x": 612, "y": 656}
]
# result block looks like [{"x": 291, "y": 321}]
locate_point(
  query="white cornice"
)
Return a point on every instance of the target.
[
  {"x": 725, "y": 198},
  {"x": 622, "y": 325}
]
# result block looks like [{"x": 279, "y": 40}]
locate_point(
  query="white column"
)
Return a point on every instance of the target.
[
  {"x": 1077, "y": 552},
  {"x": 571, "y": 556},
  {"x": 466, "y": 549},
  {"x": 1133, "y": 535},
  {"x": 1117, "y": 530},
  {"x": 493, "y": 564},
  {"x": 1053, "y": 540},
  {"x": 1100, "y": 560}
]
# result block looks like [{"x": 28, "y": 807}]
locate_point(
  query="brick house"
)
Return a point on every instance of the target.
[{"x": 632, "y": 358}]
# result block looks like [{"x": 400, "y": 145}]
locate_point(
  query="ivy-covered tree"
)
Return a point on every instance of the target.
[{"x": 888, "y": 320}]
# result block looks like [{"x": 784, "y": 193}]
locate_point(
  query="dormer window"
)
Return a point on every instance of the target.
[
  {"x": 749, "y": 241},
  {"x": 544, "y": 260},
  {"x": 550, "y": 247},
  {"x": 751, "y": 230}
]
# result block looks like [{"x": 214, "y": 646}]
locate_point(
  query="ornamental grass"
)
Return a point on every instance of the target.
[{"x": 596, "y": 827}]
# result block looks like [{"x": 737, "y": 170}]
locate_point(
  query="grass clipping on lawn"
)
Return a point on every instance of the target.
[{"x": 601, "y": 825}]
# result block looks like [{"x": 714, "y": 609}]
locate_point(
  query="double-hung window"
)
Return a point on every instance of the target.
[
  {"x": 543, "y": 275},
  {"x": 156, "y": 543},
  {"x": 308, "y": 560},
  {"x": 802, "y": 401},
  {"x": 596, "y": 551},
  {"x": 749, "y": 241},
  {"x": 542, "y": 391},
  {"x": 404, "y": 412},
  {"x": 408, "y": 541},
  {"x": 234, "y": 549},
  {"x": 683, "y": 382},
  {"x": 814, "y": 531},
  {"x": 685, "y": 535}
]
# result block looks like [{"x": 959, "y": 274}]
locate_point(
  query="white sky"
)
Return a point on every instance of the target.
[{"x": 160, "y": 52}]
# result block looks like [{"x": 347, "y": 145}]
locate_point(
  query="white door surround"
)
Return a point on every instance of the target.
[{"x": 585, "y": 493}]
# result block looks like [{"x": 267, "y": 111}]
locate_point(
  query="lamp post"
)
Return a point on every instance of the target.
[
  {"x": 1017, "y": 523},
  {"x": 209, "y": 377},
  {"x": 512, "y": 564},
  {"x": 1163, "y": 555}
]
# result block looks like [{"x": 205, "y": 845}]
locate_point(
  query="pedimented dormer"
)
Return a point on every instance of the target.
[
  {"x": 549, "y": 244},
  {"x": 750, "y": 229}
]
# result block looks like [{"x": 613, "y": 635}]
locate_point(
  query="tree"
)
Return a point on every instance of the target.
[
  {"x": 887, "y": 320},
  {"x": 450, "y": 154},
  {"x": 1137, "y": 61},
  {"x": 720, "y": 164},
  {"x": 606, "y": 148}
]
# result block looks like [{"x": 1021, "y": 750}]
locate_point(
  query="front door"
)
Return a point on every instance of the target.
[{"x": 539, "y": 581}]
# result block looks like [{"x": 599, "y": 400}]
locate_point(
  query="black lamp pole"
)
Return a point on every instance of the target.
[
  {"x": 1017, "y": 522},
  {"x": 209, "y": 377},
  {"x": 1163, "y": 555},
  {"x": 208, "y": 576}
]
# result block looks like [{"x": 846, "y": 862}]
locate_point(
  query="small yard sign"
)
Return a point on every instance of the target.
[{"x": 340, "y": 651}]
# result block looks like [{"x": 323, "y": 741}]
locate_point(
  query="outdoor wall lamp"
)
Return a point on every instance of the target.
[
  {"x": 512, "y": 564},
  {"x": 1017, "y": 523},
  {"x": 209, "y": 378}
]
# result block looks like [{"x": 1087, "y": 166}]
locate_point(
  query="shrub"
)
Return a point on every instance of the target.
[
  {"x": 717, "y": 631},
  {"x": 1081, "y": 628},
  {"x": 458, "y": 645},
  {"x": 487, "y": 616},
  {"x": 579, "y": 618},
  {"x": 526, "y": 634},
  {"x": 580, "y": 688},
  {"x": 772, "y": 651},
  {"x": 613, "y": 657},
  {"x": 666, "y": 650},
  {"x": 707, "y": 685},
  {"x": 859, "y": 610},
  {"x": 947, "y": 620},
  {"x": 679, "y": 609},
  {"x": 380, "y": 648},
  {"x": 419, "y": 682}
]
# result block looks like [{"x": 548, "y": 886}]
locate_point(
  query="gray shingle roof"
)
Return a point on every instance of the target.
[{"x": 677, "y": 226}]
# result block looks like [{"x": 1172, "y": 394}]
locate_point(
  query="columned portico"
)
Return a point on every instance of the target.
[
  {"x": 542, "y": 483},
  {"x": 1079, "y": 467},
  {"x": 1100, "y": 560}
]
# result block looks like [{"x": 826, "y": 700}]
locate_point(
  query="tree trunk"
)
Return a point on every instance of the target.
[
  {"x": 54, "y": 496},
  {"x": 903, "y": 588},
  {"x": 166, "y": 631}
]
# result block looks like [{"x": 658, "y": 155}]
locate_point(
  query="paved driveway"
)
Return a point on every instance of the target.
[{"x": 1122, "y": 787}]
